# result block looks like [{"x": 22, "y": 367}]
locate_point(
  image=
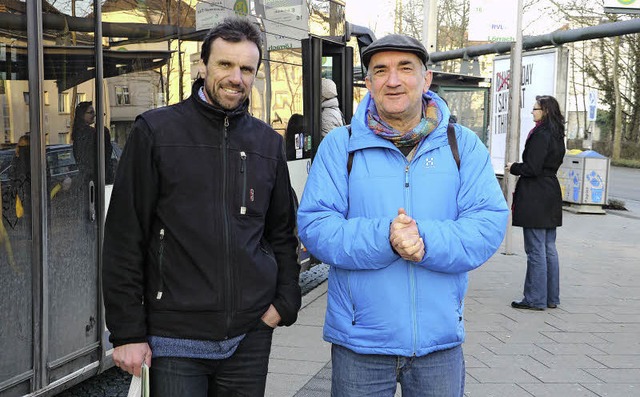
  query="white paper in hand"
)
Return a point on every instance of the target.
[{"x": 139, "y": 386}]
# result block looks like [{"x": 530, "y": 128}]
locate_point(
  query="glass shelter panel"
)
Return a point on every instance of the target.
[
  {"x": 72, "y": 180},
  {"x": 16, "y": 302}
]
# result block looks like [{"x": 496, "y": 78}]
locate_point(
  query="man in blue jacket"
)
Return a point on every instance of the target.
[{"x": 401, "y": 224}]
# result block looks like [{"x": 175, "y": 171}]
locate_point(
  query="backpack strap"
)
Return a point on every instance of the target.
[
  {"x": 453, "y": 143},
  {"x": 451, "y": 137},
  {"x": 350, "y": 159}
]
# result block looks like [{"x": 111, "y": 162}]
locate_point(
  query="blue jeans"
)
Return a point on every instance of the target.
[
  {"x": 242, "y": 374},
  {"x": 439, "y": 374},
  {"x": 542, "y": 283}
]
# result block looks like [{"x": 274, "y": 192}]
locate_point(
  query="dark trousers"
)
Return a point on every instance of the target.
[{"x": 242, "y": 374}]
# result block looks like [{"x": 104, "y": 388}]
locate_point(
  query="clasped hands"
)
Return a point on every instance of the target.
[{"x": 405, "y": 237}]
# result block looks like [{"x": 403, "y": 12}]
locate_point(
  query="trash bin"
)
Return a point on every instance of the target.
[{"x": 583, "y": 177}]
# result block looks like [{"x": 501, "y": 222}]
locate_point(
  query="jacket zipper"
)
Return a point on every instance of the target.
[
  {"x": 243, "y": 160},
  {"x": 227, "y": 248},
  {"x": 160, "y": 260},
  {"x": 412, "y": 278},
  {"x": 407, "y": 190}
]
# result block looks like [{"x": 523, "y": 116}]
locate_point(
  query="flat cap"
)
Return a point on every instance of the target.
[{"x": 395, "y": 42}]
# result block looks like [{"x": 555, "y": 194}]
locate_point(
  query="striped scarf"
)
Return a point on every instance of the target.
[{"x": 428, "y": 123}]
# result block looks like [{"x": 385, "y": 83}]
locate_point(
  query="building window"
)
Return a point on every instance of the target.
[
  {"x": 63, "y": 102},
  {"x": 46, "y": 98},
  {"x": 122, "y": 95},
  {"x": 80, "y": 97}
]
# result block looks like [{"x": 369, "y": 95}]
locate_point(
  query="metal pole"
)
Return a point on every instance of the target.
[
  {"x": 512, "y": 151},
  {"x": 429, "y": 25},
  {"x": 39, "y": 246}
]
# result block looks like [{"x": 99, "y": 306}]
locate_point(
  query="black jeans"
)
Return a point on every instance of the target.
[{"x": 242, "y": 374}]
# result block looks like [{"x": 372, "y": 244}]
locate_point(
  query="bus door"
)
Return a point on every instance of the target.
[{"x": 329, "y": 58}]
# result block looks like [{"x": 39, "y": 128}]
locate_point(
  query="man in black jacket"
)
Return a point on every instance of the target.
[{"x": 200, "y": 257}]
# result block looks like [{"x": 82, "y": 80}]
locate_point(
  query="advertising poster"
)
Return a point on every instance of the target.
[{"x": 539, "y": 77}]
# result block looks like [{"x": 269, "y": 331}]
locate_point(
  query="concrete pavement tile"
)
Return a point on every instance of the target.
[
  {"x": 578, "y": 317},
  {"x": 561, "y": 375},
  {"x": 494, "y": 390},
  {"x": 510, "y": 360},
  {"x": 618, "y": 360},
  {"x": 618, "y": 375},
  {"x": 573, "y": 337},
  {"x": 555, "y": 390},
  {"x": 298, "y": 353},
  {"x": 624, "y": 335},
  {"x": 530, "y": 335},
  {"x": 569, "y": 348},
  {"x": 614, "y": 390},
  {"x": 480, "y": 337},
  {"x": 476, "y": 350},
  {"x": 282, "y": 385},
  {"x": 618, "y": 347},
  {"x": 294, "y": 367},
  {"x": 473, "y": 362},
  {"x": 622, "y": 318},
  {"x": 502, "y": 375},
  {"x": 300, "y": 336},
  {"x": 568, "y": 361},
  {"x": 315, "y": 388},
  {"x": 562, "y": 325},
  {"x": 486, "y": 322},
  {"x": 514, "y": 348}
]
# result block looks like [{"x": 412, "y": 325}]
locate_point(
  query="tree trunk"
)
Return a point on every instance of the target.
[{"x": 617, "y": 130}]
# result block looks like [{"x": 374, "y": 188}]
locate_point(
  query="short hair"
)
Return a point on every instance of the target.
[
  {"x": 235, "y": 30},
  {"x": 552, "y": 113}
]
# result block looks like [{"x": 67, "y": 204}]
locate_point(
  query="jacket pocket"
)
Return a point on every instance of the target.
[{"x": 253, "y": 180}]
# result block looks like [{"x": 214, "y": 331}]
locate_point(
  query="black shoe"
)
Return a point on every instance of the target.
[
  {"x": 551, "y": 305},
  {"x": 522, "y": 305}
]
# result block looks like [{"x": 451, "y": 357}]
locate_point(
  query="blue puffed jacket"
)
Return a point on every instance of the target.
[{"x": 379, "y": 303}]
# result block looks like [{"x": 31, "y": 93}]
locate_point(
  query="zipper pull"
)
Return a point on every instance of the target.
[
  {"x": 243, "y": 158},
  {"x": 406, "y": 176}
]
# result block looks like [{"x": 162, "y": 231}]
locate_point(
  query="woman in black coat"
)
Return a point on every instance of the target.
[{"x": 537, "y": 204}]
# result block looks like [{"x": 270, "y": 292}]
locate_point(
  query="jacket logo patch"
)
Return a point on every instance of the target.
[
  {"x": 430, "y": 162},
  {"x": 252, "y": 196}
]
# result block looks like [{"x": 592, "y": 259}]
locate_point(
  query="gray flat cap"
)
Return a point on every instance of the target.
[{"x": 395, "y": 42}]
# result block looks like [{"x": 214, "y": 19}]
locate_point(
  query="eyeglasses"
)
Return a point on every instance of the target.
[{"x": 537, "y": 108}]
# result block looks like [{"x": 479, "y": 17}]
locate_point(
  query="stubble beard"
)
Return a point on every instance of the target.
[{"x": 216, "y": 99}]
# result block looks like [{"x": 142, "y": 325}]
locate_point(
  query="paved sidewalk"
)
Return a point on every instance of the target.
[{"x": 589, "y": 346}]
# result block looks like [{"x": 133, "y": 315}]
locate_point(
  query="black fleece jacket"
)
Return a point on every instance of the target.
[{"x": 199, "y": 236}]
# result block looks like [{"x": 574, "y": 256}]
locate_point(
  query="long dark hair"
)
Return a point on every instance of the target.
[
  {"x": 78, "y": 117},
  {"x": 551, "y": 113}
]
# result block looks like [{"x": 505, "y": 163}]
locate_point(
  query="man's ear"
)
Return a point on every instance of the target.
[
  {"x": 428, "y": 78},
  {"x": 202, "y": 68},
  {"x": 367, "y": 82}
]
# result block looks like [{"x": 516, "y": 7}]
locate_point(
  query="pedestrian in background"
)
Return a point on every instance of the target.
[
  {"x": 85, "y": 144},
  {"x": 200, "y": 259},
  {"x": 537, "y": 204},
  {"x": 400, "y": 228},
  {"x": 331, "y": 117}
]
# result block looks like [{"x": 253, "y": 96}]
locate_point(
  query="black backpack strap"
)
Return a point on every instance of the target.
[
  {"x": 453, "y": 143},
  {"x": 350, "y": 158}
]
